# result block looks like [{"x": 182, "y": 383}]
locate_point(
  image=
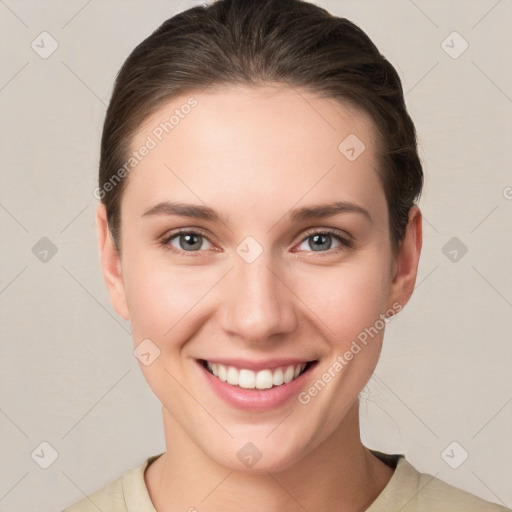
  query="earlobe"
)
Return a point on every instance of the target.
[
  {"x": 407, "y": 260},
  {"x": 111, "y": 264}
]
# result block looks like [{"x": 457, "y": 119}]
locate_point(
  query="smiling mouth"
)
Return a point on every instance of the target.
[{"x": 263, "y": 379}]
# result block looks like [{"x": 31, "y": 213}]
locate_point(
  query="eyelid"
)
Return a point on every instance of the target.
[
  {"x": 166, "y": 238},
  {"x": 343, "y": 235},
  {"x": 345, "y": 239}
]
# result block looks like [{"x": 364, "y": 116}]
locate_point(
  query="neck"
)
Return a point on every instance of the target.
[{"x": 340, "y": 474}]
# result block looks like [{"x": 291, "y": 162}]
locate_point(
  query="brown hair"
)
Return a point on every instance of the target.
[{"x": 248, "y": 42}]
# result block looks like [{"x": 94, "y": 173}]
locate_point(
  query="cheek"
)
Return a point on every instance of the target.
[
  {"x": 163, "y": 301},
  {"x": 345, "y": 300},
  {"x": 164, "y": 298}
]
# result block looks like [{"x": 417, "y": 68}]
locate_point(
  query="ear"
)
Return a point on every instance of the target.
[
  {"x": 405, "y": 265},
  {"x": 111, "y": 264}
]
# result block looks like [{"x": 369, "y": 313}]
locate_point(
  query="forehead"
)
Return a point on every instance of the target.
[
  {"x": 266, "y": 142},
  {"x": 266, "y": 108}
]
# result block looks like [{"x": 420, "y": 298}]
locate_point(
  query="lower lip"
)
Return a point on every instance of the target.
[{"x": 256, "y": 399}]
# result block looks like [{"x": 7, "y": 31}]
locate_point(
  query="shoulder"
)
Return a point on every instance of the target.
[
  {"x": 109, "y": 498},
  {"x": 435, "y": 494},
  {"x": 412, "y": 491},
  {"x": 126, "y": 493}
]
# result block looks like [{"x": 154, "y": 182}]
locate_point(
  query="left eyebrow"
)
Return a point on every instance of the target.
[
  {"x": 295, "y": 215},
  {"x": 327, "y": 210}
]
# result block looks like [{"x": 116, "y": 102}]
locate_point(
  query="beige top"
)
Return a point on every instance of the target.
[{"x": 407, "y": 491}]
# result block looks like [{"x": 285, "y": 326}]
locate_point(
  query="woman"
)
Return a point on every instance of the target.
[{"x": 258, "y": 226}]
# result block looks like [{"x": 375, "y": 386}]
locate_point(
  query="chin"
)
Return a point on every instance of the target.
[{"x": 258, "y": 457}]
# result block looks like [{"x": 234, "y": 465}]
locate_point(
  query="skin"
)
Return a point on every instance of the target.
[{"x": 253, "y": 154}]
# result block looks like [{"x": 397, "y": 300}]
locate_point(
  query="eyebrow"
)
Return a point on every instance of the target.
[
  {"x": 296, "y": 214},
  {"x": 327, "y": 210}
]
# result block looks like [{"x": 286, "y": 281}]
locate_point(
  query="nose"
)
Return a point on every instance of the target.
[{"x": 257, "y": 303}]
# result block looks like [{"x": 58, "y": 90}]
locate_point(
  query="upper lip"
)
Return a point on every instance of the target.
[{"x": 264, "y": 364}]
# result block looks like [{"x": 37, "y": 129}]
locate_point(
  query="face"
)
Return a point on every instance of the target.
[{"x": 229, "y": 256}]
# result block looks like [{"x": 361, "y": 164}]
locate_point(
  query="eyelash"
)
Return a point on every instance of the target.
[{"x": 346, "y": 242}]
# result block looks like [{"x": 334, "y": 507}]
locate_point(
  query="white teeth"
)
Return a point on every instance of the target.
[
  {"x": 222, "y": 372},
  {"x": 277, "y": 378},
  {"x": 232, "y": 376},
  {"x": 288, "y": 374},
  {"x": 248, "y": 379},
  {"x": 264, "y": 379}
]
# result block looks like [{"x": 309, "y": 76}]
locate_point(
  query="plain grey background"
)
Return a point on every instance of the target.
[{"x": 442, "y": 389}]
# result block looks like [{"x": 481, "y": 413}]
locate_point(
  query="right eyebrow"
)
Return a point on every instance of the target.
[
  {"x": 183, "y": 210},
  {"x": 197, "y": 211}
]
